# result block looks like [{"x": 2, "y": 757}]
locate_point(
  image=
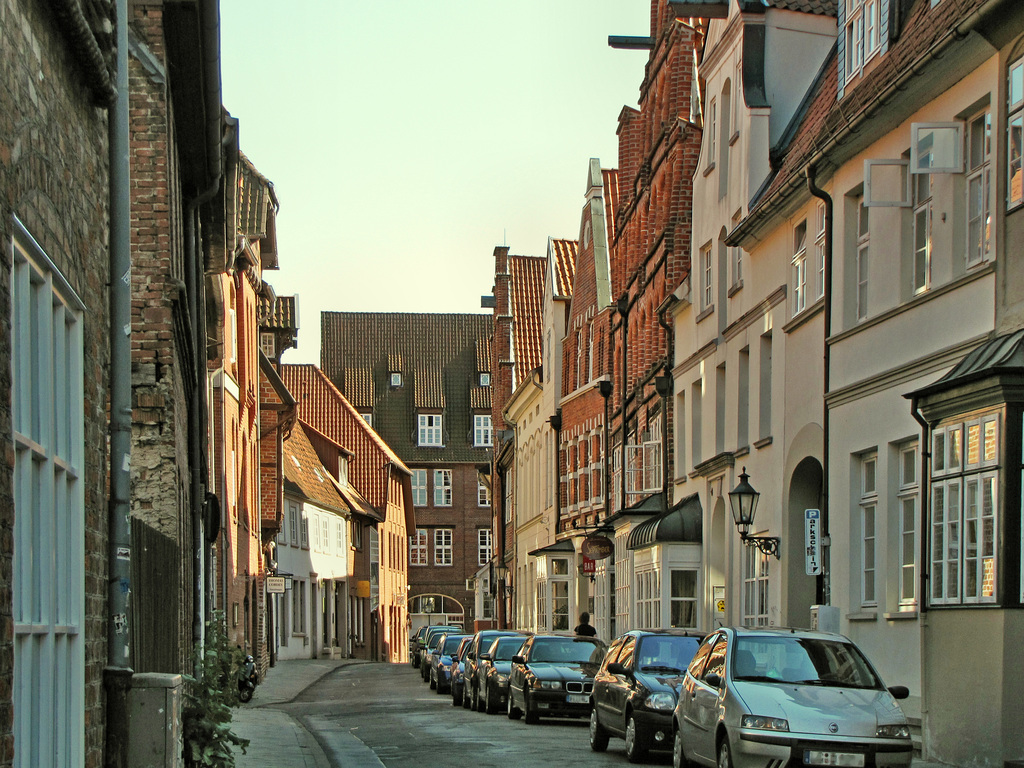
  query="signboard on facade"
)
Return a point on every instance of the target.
[
  {"x": 275, "y": 585},
  {"x": 812, "y": 541},
  {"x": 362, "y": 589},
  {"x": 589, "y": 566},
  {"x": 597, "y": 547}
]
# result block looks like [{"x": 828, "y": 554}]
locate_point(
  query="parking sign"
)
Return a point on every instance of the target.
[{"x": 812, "y": 541}]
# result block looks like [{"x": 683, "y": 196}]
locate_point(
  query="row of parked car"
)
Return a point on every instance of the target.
[{"x": 733, "y": 698}]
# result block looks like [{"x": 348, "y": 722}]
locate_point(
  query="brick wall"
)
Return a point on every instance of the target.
[{"x": 54, "y": 178}]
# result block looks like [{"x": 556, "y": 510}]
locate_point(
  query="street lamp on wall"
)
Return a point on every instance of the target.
[
  {"x": 743, "y": 500},
  {"x": 503, "y": 588}
]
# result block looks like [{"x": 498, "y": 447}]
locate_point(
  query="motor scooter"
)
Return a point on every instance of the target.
[{"x": 247, "y": 679}]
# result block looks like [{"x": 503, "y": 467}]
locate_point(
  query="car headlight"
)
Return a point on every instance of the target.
[
  {"x": 550, "y": 685},
  {"x": 662, "y": 701},
  {"x": 899, "y": 731},
  {"x": 764, "y": 723}
]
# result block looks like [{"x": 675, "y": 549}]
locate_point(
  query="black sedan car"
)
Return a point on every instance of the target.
[
  {"x": 458, "y": 664},
  {"x": 441, "y": 662},
  {"x": 494, "y": 669},
  {"x": 417, "y": 641},
  {"x": 553, "y": 676},
  {"x": 636, "y": 688},
  {"x": 470, "y": 668}
]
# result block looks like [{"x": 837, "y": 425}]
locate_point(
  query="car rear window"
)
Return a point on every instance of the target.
[{"x": 666, "y": 653}]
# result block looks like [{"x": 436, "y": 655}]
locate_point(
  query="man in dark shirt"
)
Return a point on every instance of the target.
[{"x": 584, "y": 628}]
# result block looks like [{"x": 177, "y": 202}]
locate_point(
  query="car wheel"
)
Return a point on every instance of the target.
[
  {"x": 636, "y": 741},
  {"x": 529, "y": 715},
  {"x": 433, "y": 681},
  {"x": 513, "y": 710},
  {"x": 598, "y": 735},
  {"x": 466, "y": 692},
  {"x": 490, "y": 702},
  {"x": 678, "y": 757},
  {"x": 456, "y": 700},
  {"x": 724, "y": 754}
]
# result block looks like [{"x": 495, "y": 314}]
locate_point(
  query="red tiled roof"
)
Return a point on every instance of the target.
[
  {"x": 563, "y": 266},
  {"x": 483, "y": 355},
  {"x": 526, "y": 297},
  {"x": 322, "y": 406},
  {"x": 304, "y": 471},
  {"x": 429, "y": 387},
  {"x": 827, "y": 118},
  {"x": 820, "y": 7}
]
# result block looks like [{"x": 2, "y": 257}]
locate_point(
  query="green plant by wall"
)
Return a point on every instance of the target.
[{"x": 209, "y": 699}]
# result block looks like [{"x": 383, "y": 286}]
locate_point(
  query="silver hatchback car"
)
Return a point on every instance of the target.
[{"x": 756, "y": 697}]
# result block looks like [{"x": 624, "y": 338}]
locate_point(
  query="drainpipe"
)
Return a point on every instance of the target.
[
  {"x": 663, "y": 385},
  {"x": 824, "y": 587},
  {"x": 117, "y": 676},
  {"x": 556, "y": 424}
]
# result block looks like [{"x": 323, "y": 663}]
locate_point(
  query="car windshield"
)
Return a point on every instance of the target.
[
  {"x": 566, "y": 650},
  {"x": 803, "y": 660},
  {"x": 506, "y": 647},
  {"x": 666, "y": 653},
  {"x": 451, "y": 644}
]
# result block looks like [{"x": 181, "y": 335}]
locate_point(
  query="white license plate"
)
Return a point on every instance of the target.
[
  {"x": 814, "y": 757},
  {"x": 576, "y": 698}
]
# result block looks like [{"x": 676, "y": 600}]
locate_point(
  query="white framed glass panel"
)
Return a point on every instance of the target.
[
  {"x": 936, "y": 147},
  {"x": 886, "y": 183},
  {"x": 442, "y": 487}
]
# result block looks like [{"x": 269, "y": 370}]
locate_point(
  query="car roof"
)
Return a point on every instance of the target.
[
  {"x": 671, "y": 632},
  {"x": 786, "y": 632},
  {"x": 568, "y": 636}
]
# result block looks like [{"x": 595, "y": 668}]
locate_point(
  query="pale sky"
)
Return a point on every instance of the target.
[{"x": 406, "y": 140}]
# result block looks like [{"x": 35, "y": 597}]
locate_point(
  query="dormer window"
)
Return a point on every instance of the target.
[
  {"x": 343, "y": 470},
  {"x": 396, "y": 379},
  {"x": 430, "y": 432},
  {"x": 485, "y": 379},
  {"x": 267, "y": 345}
]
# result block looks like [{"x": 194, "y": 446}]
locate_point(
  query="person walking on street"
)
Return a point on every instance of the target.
[{"x": 584, "y": 628}]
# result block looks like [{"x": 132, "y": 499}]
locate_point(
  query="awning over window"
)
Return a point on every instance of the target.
[
  {"x": 565, "y": 545},
  {"x": 682, "y": 523}
]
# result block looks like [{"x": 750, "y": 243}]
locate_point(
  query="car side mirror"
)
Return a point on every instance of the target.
[
  {"x": 517, "y": 659},
  {"x": 470, "y": 655},
  {"x": 485, "y": 657},
  {"x": 617, "y": 669},
  {"x": 899, "y": 691},
  {"x": 713, "y": 680}
]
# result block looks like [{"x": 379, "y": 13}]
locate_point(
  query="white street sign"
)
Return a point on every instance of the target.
[{"x": 812, "y": 541}]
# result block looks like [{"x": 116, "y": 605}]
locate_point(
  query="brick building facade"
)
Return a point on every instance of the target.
[{"x": 54, "y": 230}]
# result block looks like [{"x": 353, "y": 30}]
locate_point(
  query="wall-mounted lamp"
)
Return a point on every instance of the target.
[
  {"x": 743, "y": 500},
  {"x": 501, "y": 577}
]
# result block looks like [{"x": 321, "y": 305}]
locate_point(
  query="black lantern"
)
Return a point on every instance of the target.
[{"x": 743, "y": 500}]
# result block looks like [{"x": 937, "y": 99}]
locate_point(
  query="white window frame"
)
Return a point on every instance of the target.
[
  {"x": 431, "y": 430},
  {"x": 1015, "y": 134},
  {"x": 800, "y": 267},
  {"x": 925, "y": 137},
  {"x": 293, "y": 524},
  {"x": 819, "y": 250},
  {"x": 955, "y": 512},
  {"x": 877, "y": 182},
  {"x": 418, "y": 548},
  {"x": 869, "y": 530},
  {"x": 339, "y": 536},
  {"x": 707, "y": 276},
  {"x": 442, "y": 487},
  {"x": 47, "y": 591},
  {"x": 978, "y": 208},
  {"x": 303, "y": 528},
  {"x": 419, "y": 487},
  {"x": 325, "y": 534},
  {"x": 908, "y": 508},
  {"x": 395, "y": 379},
  {"x": 678, "y": 599},
  {"x": 483, "y": 434},
  {"x": 268, "y": 344},
  {"x": 755, "y": 587},
  {"x": 712, "y": 133},
  {"x": 484, "y": 546},
  {"x": 485, "y": 379},
  {"x": 863, "y": 260},
  {"x": 443, "y": 546},
  {"x": 483, "y": 494},
  {"x": 921, "y": 268},
  {"x": 863, "y": 33},
  {"x": 736, "y": 255}
]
